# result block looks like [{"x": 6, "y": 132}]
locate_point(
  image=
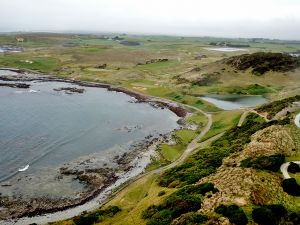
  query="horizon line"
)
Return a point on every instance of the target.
[{"x": 138, "y": 34}]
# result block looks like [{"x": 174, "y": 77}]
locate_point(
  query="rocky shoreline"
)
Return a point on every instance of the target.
[
  {"x": 140, "y": 98},
  {"x": 15, "y": 85},
  {"x": 96, "y": 180}
]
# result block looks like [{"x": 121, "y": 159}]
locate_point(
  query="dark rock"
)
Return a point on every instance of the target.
[
  {"x": 199, "y": 57},
  {"x": 70, "y": 89},
  {"x": 196, "y": 69},
  {"x": 103, "y": 66},
  {"x": 15, "y": 85},
  {"x": 153, "y": 61}
]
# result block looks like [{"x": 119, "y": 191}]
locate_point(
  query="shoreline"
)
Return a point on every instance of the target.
[
  {"x": 140, "y": 98},
  {"x": 96, "y": 197},
  {"x": 93, "y": 197}
]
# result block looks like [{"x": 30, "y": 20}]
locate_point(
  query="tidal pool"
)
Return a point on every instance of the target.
[{"x": 230, "y": 102}]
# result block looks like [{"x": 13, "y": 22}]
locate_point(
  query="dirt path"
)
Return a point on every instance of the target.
[
  {"x": 190, "y": 148},
  {"x": 284, "y": 167},
  {"x": 261, "y": 115},
  {"x": 242, "y": 118},
  {"x": 297, "y": 120},
  {"x": 187, "y": 153}
]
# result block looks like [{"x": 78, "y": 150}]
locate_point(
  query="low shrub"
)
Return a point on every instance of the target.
[
  {"x": 161, "y": 193},
  {"x": 271, "y": 163},
  {"x": 293, "y": 168},
  {"x": 269, "y": 215},
  {"x": 294, "y": 218},
  {"x": 190, "y": 218},
  {"x": 264, "y": 216},
  {"x": 96, "y": 216},
  {"x": 185, "y": 200},
  {"x": 207, "y": 79},
  {"x": 234, "y": 213},
  {"x": 291, "y": 187},
  {"x": 86, "y": 220}
]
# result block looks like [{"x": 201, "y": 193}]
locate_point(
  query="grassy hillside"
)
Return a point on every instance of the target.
[{"x": 262, "y": 62}]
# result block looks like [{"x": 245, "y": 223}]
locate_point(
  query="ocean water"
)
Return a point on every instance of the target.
[{"x": 44, "y": 128}]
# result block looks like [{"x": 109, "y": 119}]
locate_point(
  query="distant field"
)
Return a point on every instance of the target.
[{"x": 80, "y": 56}]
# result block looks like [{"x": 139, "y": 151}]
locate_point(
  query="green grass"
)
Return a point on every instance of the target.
[
  {"x": 178, "y": 96},
  {"x": 198, "y": 119},
  {"x": 158, "y": 65},
  {"x": 41, "y": 64},
  {"x": 132, "y": 200},
  {"x": 186, "y": 136},
  {"x": 159, "y": 91},
  {"x": 296, "y": 176},
  {"x": 94, "y": 41},
  {"x": 293, "y": 158},
  {"x": 135, "y": 199},
  {"x": 253, "y": 89},
  {"x": 171, "y": 152},
  {"x": 182, "y": 138},
  {"x": 156, "y": 163},
  {"x": 223, "y": 121}
]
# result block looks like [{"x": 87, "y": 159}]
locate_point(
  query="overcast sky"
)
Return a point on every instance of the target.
[{"x": 226, "y": 18}]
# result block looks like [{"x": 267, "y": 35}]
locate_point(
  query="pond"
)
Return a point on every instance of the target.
[
  {"x": 230, "y": 101},
  {"x": 226, "y": 49},
  {"x": 9, "y": 48}
]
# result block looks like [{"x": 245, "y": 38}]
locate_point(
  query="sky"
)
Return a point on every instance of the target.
[{"x": 277, "y": 19}]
